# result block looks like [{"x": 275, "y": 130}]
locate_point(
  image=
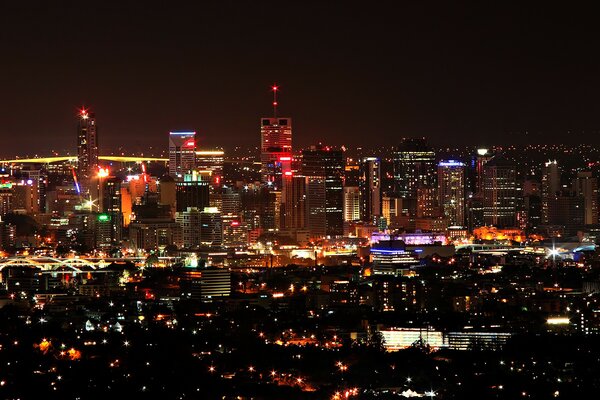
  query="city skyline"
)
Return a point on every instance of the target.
[
  {"x": 299, "y": 200},
  {"x": 504, "y": 73}
]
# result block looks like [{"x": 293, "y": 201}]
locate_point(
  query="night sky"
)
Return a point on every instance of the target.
[{"x": 482, "y": 74}]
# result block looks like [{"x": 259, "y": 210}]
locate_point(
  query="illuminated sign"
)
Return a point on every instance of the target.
[
  {"x": 558, "y": 321},
  {"x": 451, "y": 163},
  {"x": 190, "y": 143},
  {"x": 6, "y": 185},
  {"x": 104, "y": 217},
  {"x": 285, "y": 158},
  {"x": 288, "y": 173}
]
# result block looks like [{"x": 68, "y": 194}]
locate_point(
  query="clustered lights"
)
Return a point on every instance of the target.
[{"x": 84, "y": 113}]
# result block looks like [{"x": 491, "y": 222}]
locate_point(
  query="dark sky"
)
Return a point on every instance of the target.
[{"x": 355, "y": 73}]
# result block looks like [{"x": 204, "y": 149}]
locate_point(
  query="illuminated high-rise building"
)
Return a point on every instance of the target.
[
  {"x": 427, "y": 202},
  {"x": 483, "y": 156},
  {"x": 275, "y": 146},
  {"x": 586, "y": 186},
  {"x": 351, "y": 203},
  {"x": 326, "y": 165},
  {"x": 211, "y": 227},
  {"x": 182, "y": 153},
  {"x": 276, "y": 149},
  {"x": 293, "y": 202},
  {"x": 414, "y": 167},
  {"x": 209, "y": 163},
  {"x": 191, "y": 193},
  {"x": 391, "y": 208},
  {"x": 550, "y": 187},
  {"x": 451, "y": 191},
  {"x": 500, "y": 193},
  {"x": 87, "y": 151},
  {"x": 370, "y": 188},
  {"x": 566, "y": 211}
]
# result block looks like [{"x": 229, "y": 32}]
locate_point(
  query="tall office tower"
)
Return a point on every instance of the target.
[
  {"x": 235, "y": 232},
  {"x": 427, "y": 202},
  {"x": 275, "y": 150},
  {"x": 8, "y": 233},
  {"x": 451, "y": 191},
  {"x": 211, "y": 227},
  {"x": 210, "y": 163},
  {"x": 260, "y": 207},
  {"x": 188, "y": 234},
  {"x": 326, "y": 164},
  {"x": 275, "y": 146},
  {"x": 39, "y": 178},
  {"x": 499, "y": 193},
  {"x": 110, "y": 195},
  {"x": 191, "y": 193},
  {"x": 414, "y": 167},
  {"x": 567, "y": 211},
  {"x": 351, "y": 203},
  {"x": 6, "y": 195},
  {"x": 227, "y": 201},
  {"x": 550, "y": 187},
  {"x": 316, "y": 198},
  {"x": 167, "y": 193},
  {"x": 475, "y": 213},
  {"x": 586, "y": 186},
  {"x": 370, "y": 188},
  {"x": 483, "y": 156},
  {"x": 531, "y": 213},
  {"x": 110, "y": 203},
  {"x": 391, "y": 208},
  {"x": 293, "y": 202},
  {"x": 87, "y": 151},
  {"x": 182, "y": 153},
  {"x": 25, "y": 197}
]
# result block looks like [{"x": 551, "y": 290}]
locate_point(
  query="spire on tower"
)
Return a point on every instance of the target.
[{"x": 275, "y": 89}]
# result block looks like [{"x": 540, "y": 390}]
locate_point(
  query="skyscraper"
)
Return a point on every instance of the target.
[
  {"x": 483, "y": 156},
  {"x": 351, "y": 203},
  {"x": 275, "y": 147},
  {"x": 550, "y": 187},
  {"x": 499, "y": 193},
  {"x": 293, "y": 202},
  {"x": 414, "y": 167},
  {"x": 451, "y": 191},
  {"x": 191, "y": 193},
  {"x": 321, "y": 163},
  {"x": 370, "y": 188},
  {"x": 182, "y": 153},
  {"x": 210, "y": 162},
  {"x": 586, "y": 186},
  {"x": 316, "y": 198},
  {"x": 275, "y": 150},
  {"x": 87, "y": 151}
]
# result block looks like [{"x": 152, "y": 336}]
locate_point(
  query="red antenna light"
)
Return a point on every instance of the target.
[
  {"x": 275, "y": 89},
  {"x": 83, "y": 113}
]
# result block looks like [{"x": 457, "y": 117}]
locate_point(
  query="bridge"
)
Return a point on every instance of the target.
[
  {"x": 50, "y": 160},
  {"x": 71, "y": 264}
]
